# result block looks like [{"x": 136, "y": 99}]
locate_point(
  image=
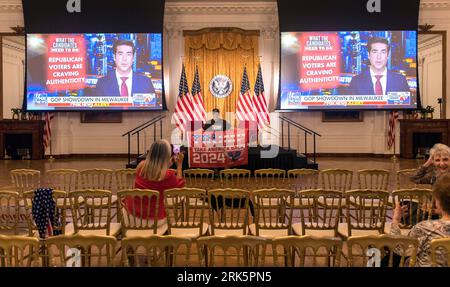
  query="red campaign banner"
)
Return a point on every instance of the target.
[
  {"x": 319, "y": 60},
  {"x": 66, "y": 62},
  {"x": 218, "y": 149}
]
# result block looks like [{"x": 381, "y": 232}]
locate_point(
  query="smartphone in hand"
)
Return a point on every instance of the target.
[{"x": 176, "y": 149}]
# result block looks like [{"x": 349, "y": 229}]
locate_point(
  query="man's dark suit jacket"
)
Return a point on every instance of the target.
[
  {"x": 362, "y": 84},
  {"x": 107, "y": 86},
  {"x": 210, "y": 123}
]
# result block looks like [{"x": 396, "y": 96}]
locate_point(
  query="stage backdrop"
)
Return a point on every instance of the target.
[{"x": 221, "y": 51}]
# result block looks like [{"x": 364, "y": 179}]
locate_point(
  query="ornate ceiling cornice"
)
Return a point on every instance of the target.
[
  {"x": 201, "y": 7},
  {"x": 10, "y": 7},
  {"x": 221, "y": 8},
  {"x": 435, "y": 4}
]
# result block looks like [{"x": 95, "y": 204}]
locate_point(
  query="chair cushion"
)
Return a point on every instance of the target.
[
  {"x": 114, "y": 230},
  {"x": 268, "y": 233},
  {"x": 189, "y": 232},
  {"x": 224, "y": 232},
  {"x": 161, "y": 230},
  {"x": 343, "y": 231},
  {"x": 297, "y": 228}
]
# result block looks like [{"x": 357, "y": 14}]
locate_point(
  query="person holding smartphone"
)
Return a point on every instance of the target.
[
  {"x": 154, "y": 173},
  {"x": 427, "y": 230}
]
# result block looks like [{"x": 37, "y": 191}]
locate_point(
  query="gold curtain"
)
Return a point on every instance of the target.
[{"x": 221, "y": 51}]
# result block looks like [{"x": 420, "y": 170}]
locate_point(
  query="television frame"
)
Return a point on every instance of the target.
[{"x": 163, "y": 95}]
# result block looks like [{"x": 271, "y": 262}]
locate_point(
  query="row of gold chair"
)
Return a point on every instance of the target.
[
  {"x": 228, "y": 210},
  {"x": 155, "y": 250},
  {"x": 72, "y": 179},
  {"x": 300, "y": 179},
  {"x": 297, "y": 179}
]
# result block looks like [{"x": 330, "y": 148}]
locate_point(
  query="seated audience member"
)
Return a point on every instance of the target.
[
  {"x": 153, "y": 173},
  {"x": 435, "y": 166},
  {"x": 425, "y": 231}
]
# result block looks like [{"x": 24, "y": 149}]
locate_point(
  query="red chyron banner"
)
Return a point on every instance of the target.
[
  {"x": 66, "y": 62},
  {"x": 319, "y": 64},
  {"x": 218, "y": 149}
]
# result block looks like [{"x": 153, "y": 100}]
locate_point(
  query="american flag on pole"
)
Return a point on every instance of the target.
[
  {"x": 199, "y": 107},
  {"x": 47, "y": 129},
  {"x": 245, "y": 110},
  {"x": 183, "y": 109},
  {"x": 259, "y": 102},
  {"x": 393, "y": 116}
]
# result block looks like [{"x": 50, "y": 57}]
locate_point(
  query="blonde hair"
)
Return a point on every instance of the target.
[
  {"x": 157, "y": 161},
  {"x": 440, "y": 150}
]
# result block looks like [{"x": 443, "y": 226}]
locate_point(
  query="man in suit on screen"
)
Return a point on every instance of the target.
[
  {"x": 378, "y": 80},
  {"x": 123, "y": 81}
]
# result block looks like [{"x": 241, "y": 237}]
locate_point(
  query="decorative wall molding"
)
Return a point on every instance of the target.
[
  {"x": 221, "y": 8},
  {"x": 10, "y": 7},
  {"x": 431, "y": 43},
  {"x": 434, "y": 4}
]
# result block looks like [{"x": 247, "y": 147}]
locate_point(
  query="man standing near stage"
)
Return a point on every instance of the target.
[{"x": 216, "y": 123}]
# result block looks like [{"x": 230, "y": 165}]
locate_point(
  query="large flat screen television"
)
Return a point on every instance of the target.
[
  {"x": 348, "y": 70},
  {"x": 70, "y": 72}
]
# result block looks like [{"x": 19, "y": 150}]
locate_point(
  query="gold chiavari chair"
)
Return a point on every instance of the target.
[
  {"x": 96, "y": 178},
  {"x": 79, "y": 250},
  {"x": 374, "y": 179},
  {"x": 156, "y": 250},
  {"x": 199, "y": 178},
  {"x": 403, "y": 180},
  {"x": 229, "y": 211},
  {"x": 270, "y": 178},
  {"x": 185, "y": 210},
  {"x": 25, "y": 179},
  {"x": 244, "y": 250},
  {"x": 366, "y": 212},
  {"x": 139, "y": 210},
  {"x": 308, "y": 251},
  {"x": 235, "y": 178},
  {"x": 61, "y": 206},
  {"x": 320, "y": 211},
  {"x": 12, "y": 220},
  {"x": 304, "y": 178},
  {"x": 91, "y": 212},
  {"x": 336, "y": 179},
  {"x": 440, "y": 252},
  {"x": 370, "y": 250},
  {"x": 273, "y": 212},
  {"x": 419, "y": 202},
  {"x": 62, "y": 179},
  {"x": 19, "y": 251},
  {"x": 125, "y": 178}
]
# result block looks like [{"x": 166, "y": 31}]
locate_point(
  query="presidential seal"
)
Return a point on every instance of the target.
[{"x": 220, "y": 86}]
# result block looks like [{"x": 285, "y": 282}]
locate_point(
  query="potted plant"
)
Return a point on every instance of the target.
[
  {"x": 429, "y": 110},
  {"x": 15, "y": 113}
]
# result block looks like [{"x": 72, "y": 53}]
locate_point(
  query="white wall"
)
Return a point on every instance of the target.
[
  {"x": 430, "y": 73},
  {"x": 370, "y": 136},
  {"x": 437, "y": 13},
  {"x": 13, "y": 67}
]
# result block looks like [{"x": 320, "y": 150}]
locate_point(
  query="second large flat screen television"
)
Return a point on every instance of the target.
[
  {"x": 94, "y": 72},
  {"x": 348, "y": 70}
]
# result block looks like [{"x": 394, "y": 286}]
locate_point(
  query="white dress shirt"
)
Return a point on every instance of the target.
[
  {"x": 383, "y": 80},
  {"x": 128, "y": 81}
]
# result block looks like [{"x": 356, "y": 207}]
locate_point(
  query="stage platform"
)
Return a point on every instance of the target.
[{"x": 285, "y": 159}]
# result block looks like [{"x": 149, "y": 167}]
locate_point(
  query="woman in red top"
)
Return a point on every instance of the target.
[{"x": 153, "y": 173}]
